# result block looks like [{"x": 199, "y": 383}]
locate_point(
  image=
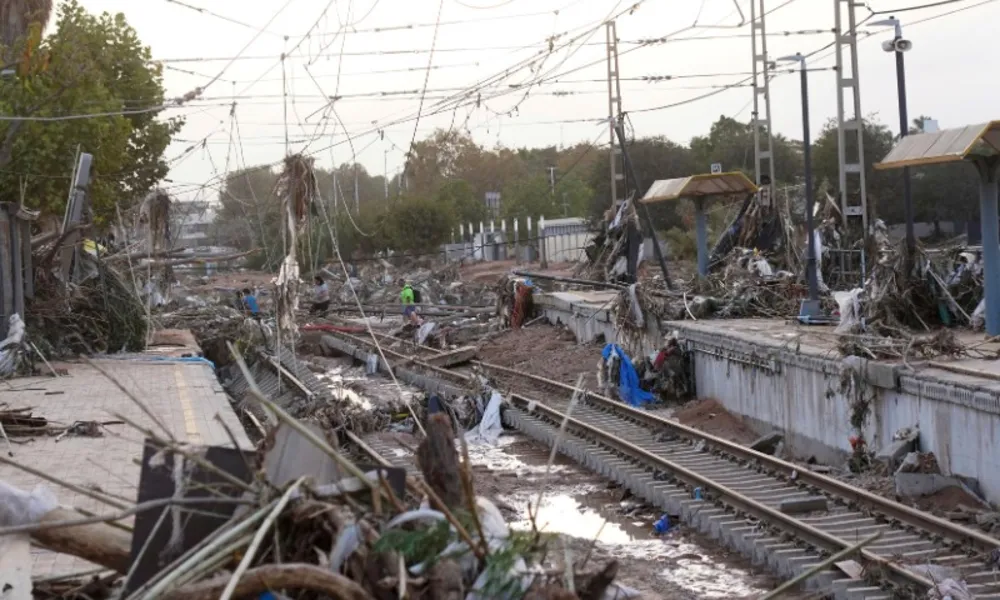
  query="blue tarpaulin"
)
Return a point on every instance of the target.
[{"x": 628, "y": 379}]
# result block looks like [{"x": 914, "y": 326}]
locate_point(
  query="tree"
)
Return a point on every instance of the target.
[
  {"x": 93, "y": 64},
  {"x": 730, "y": 142},
  {"x": 16, "y": 18},
  {"x": 653, "y": 158},
  {"x": 530, "y": 197},
  {"x": 419, "y": 225},
  {"x": 461, "y": 200},
  {"x": 885, "y": 190}
]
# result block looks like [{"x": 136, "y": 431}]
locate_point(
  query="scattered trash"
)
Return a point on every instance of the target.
[
  {"x": 662, "y": 525},
  {"x": 620, "y": 369}
]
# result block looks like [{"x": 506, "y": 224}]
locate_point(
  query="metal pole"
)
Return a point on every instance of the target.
[
  {"x": 991, "y": 242},
  {"x": 385, "y": 171},
  {"x": 701, "y": 235},
  {"x": 810, "y": 200},
  {"x": 904, "y": 129},
  {"x": 619, "y": 130}
]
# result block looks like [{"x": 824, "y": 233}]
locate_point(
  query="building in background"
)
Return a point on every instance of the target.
[{"x": 193, "y": 224}]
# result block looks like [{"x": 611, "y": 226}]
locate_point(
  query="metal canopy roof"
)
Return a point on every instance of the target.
[
  {"x": 699, "y": 186},
  {"x": 947, "y": 145}
]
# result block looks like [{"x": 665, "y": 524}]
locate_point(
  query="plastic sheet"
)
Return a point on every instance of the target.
[
  {"x": 628, "y": 379},
  {"x": 10, "y": 345},
  {"x": 18, "y": 507},
  {"x": 490, "y": 427},
  {"x": 850, "y": 310}
]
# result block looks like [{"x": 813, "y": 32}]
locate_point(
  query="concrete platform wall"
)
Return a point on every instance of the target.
[{"x": 810, "y": 397}]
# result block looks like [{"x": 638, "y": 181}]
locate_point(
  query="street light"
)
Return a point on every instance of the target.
[
  {"x": 898, "y": 46},
  {"x": 810, "y": 308}
]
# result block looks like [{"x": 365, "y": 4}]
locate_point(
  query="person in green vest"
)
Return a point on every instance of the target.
[{"x": 409, "y": 306}]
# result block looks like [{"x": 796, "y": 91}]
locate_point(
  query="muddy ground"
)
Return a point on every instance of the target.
[{"x": 588, "y": 515}]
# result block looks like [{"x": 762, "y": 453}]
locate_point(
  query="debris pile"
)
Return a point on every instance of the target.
[
  {"x": 214, "y": 326},
  {"x": 616, "y": 247},
  {"x": 302, "y": 516},
  {"x": 96, "y": 314}
]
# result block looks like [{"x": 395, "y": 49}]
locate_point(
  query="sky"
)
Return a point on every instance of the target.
[{"x": 374, "y": 57}]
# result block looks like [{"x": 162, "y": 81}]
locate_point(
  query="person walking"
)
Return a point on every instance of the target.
[
  {"x": 321, "y": 300},
  {"x": 406, "y": 298}
]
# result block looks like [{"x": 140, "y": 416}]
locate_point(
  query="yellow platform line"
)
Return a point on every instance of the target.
[{"x": 190, "y": 422}]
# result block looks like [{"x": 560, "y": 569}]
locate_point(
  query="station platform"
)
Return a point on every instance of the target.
[
  {"x": 781, "y": 375},
  {"x": 184, "y": 395}
]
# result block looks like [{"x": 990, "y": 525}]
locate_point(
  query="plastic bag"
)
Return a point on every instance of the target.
[
  {"x": 490, "y": 427},
  {"x": 850, "y": 310},
  {"x": 18, "y": 507}
]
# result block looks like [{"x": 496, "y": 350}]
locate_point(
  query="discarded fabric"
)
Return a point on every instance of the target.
[
  {"x": 489, "y": 429},
  {"x": 628, "y": 379}
]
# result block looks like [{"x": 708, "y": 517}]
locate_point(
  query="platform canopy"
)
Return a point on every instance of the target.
[
  {"x": 705, "y": 185},
  {"x": 945, "y": 146}
]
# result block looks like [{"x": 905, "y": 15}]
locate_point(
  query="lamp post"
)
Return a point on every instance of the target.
[
  {"x": 810, "y": 308},
  {"x": 898, "y": 46}
]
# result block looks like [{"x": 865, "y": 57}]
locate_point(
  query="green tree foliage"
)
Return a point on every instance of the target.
[
  {"x": 653, "y": 158},
  {"x": 458, "y": 196},
  {"x": 89, "y": 64},
  {"x": 730, "y": 143},
  {"x": 419, "y": 224},
  {"x": 885, "y": 195},
  {"x": 528, "y": 197}
]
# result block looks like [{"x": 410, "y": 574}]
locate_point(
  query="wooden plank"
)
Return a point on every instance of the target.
[
  {"x": 850, "y": 568},
  {"x": 453, "y": 358}
]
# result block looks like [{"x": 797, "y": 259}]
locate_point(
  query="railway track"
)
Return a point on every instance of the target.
[{"x": 740, "y": 492}]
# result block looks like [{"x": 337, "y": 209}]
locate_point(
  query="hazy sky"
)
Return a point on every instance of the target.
[{"x": 382, "y": 47}]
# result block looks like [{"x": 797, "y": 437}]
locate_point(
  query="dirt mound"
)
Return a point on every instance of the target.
[
  {"x": 546, "y": 351},
  {"x": 710, "y": 416},
  {"x": 948, "y": 499}
]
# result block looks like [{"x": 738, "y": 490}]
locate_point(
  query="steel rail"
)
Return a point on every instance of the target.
[
  {"x": 905, "y": 514},
  {"x": 764, "y": 513},
  {"x": 741, "y": 502}
]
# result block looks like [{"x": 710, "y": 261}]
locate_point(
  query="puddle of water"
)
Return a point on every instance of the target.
[
  {"x": 502, "y": 457},
  {"x": 710, "y": 579},
  {"x": 585, "y": 511}
]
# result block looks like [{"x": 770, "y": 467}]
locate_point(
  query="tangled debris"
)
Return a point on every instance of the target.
[
  {"x": 314, "y": 523},
  {"x": 99, "y": 314}
]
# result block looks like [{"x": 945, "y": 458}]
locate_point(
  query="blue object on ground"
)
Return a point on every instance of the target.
[
  {"x": 662, "y": 525},
  {"x": 251, "y": 303},
  {"x": 697, "y": 493},
  {"x": 628, "y": 379}
]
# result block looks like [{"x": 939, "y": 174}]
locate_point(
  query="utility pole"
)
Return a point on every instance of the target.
[
  {"x": 762, "y": 137},
  {"x": 852, "y": 170},
  {"x": 614, "y": 109},
  {"x": 385, "y": 171},
  {"x": 552, "y": 180},
  {"x": 357, "y": 201}
]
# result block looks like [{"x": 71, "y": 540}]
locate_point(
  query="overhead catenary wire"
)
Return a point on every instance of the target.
[{"x": 469, "y": 101}]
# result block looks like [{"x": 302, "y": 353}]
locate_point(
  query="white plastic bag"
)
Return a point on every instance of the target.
[
  {"x": 850, "y": 310},
  {"x": 18, "y": 507},
  {"x": 489, "y": 429}
]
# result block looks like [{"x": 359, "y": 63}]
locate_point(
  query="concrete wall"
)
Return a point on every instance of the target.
[{"x": 810, "y": 396}]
